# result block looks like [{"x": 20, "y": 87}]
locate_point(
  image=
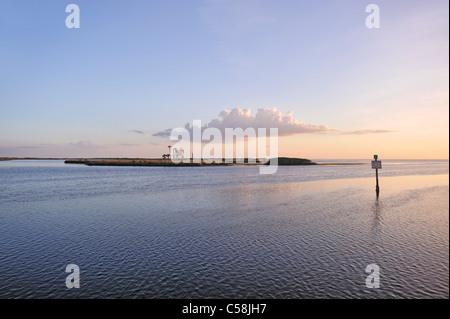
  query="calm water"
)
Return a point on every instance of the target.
[{"x": 224, "y": 232}]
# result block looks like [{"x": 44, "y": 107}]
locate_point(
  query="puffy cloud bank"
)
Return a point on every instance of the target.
[{"x": 264, "y": 118}]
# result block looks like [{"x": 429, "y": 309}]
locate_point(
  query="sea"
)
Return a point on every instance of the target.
[{"x": 305, "y": 232}]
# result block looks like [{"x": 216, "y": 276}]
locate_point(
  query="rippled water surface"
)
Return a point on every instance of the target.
[{"x": 224, "y": 232}]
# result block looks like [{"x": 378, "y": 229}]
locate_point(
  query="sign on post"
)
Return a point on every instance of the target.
[{"x": 376, "y": 164}]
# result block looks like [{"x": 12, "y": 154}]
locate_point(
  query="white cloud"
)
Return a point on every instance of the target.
[
  {"x": 365, "y": 132},
  {"x": 264, "y": 118},
  {"x": 85, "y": 144}
]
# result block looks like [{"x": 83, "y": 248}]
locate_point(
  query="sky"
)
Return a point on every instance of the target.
[{"x": 135, "y": 69}]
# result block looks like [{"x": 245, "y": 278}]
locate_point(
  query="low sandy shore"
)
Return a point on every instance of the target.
[
  {"x": 342, "y": 163},
  {"x": 188, "y": 162}
]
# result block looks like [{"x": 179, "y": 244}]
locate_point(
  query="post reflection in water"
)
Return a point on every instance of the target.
[{"x": 377, "y": 209}]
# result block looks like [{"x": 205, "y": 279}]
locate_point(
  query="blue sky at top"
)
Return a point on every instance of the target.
[{"x": 153, "y": 65}]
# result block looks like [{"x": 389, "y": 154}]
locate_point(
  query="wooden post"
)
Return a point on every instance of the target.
[
  {"x": 378, "y": 186},
  {"x": 376, "y": 164}
]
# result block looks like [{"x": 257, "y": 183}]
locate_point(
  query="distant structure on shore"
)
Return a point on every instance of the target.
[{"x": 167, "y": 156}]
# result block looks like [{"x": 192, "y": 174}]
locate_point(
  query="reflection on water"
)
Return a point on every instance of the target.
[
  {"x": 377, "y": 217},
  {"x": 222, "y": 232}
]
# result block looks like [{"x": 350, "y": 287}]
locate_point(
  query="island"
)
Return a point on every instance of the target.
[{"x": 186, "y": 162}]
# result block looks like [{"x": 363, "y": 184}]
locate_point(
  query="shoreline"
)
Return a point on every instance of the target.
[
  {"x": 282, "y": 161},
  {"x": 188, "y": 162},
  {"x": 342, "y": 163}
]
